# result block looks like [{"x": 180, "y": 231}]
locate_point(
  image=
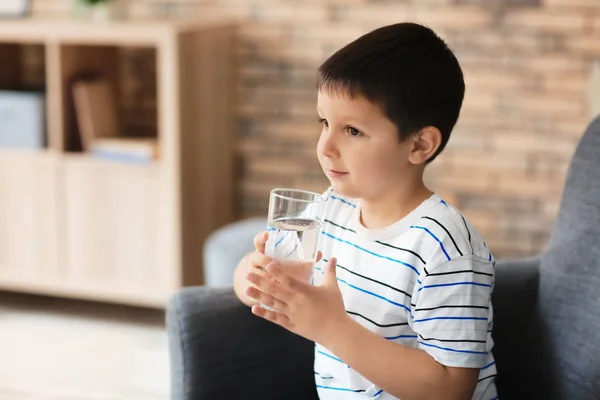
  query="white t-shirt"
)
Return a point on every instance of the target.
[{"x": 425, "y": 282}]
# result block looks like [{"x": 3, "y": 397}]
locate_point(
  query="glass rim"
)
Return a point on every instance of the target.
[{"x": 319, "y": 198}]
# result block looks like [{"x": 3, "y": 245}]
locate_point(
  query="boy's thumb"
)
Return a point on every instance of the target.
[{"x": 330, "y": 272}]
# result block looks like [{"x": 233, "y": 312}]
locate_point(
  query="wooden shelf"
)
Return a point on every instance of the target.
[
  {"x": 119, "y": 33},
  {"x": 75, "y": 225}
]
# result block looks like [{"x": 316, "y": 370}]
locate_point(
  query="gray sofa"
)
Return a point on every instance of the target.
[{"x": 546, "y": 326}]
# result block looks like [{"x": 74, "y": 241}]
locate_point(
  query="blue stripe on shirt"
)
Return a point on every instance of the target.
[
  {"x": 401, "y": 337},
  {"x": 489, "y": 365},
  {"x": 348, "y": 390},
  {"x": 341, "y": 389},
  {"x": 453, "y": 350},
  {"x": 456, "y": 318},
  {"x": 454, "y": 284},
  {"x": 433, "y": 236},
  {"x": 375, "y": 295},
  {"x": 368, "y": 292},
  {"x": 330, "y": 356},
  {"x": 343, "y": 201},
  {"x": 372, "y": 253}
]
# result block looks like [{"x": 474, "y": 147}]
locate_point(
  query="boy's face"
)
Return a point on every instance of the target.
[{"x": 359, "y": 148}]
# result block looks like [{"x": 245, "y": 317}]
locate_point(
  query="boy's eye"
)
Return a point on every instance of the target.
[
  {"x": 353, "y": 131},
  {"x": 323, "y": 122}
]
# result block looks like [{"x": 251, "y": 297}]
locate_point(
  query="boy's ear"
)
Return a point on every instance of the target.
[{"x": 425, "y": 144}]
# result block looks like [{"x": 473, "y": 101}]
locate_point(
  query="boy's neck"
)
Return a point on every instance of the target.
[{"x": 395, "y": 205}]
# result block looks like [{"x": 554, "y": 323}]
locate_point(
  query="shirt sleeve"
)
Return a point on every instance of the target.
[{"x": 452, "y": 312}]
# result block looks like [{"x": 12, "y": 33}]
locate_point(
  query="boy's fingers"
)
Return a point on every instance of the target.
[
  {"x": 260, "y": 241},
  {"x": 266, "y": 299},
  {"x": 319, "y": 256},
  {"x": 259, "y": 260},
  {"x": 285, "y": 280},
  {"x": 272, "y": 316}
]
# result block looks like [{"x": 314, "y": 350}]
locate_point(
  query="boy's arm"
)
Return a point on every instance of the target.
[
  {"x": 404, "y": 372},
  {"x": 452, "y": 306}
]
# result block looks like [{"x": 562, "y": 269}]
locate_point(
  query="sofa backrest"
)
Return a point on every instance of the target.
[{"x": 569, "y": 285}]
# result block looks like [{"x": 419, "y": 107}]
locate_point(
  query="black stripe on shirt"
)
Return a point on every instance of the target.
[
  {"x": 450, "y": 306},
  {"x": 444, "y": 228},
  {"x": 375, "y": 323},
  {"x": 377, "y": 241},
  {"x": 323, "y": 377},
  {"x": 487, "y": 377},
  {"x": 371, "y": 279},
  {"x": 401, "y": 249},
  {"x": 339, "y": 226},
  {"x": 469, "y": 233},
  {"x": 462, "y": 271},
  {"x": 452, "y": 340}
]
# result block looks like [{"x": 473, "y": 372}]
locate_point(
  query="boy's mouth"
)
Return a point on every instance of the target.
[{"x": 336, "y": 174}]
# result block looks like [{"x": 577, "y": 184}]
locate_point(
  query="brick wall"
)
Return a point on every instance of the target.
[{"x": 526, "y": 64}]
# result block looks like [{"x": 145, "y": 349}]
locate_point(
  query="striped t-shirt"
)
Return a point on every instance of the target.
[{"x": 424, "y": 282}]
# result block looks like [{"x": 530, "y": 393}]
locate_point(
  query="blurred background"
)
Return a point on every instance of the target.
[{"x": 130, "y": 131}]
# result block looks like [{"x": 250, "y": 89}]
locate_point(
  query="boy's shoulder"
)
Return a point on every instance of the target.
[
  {"x": 437, "y": 230},
  {"x": 454, "y": 235}
]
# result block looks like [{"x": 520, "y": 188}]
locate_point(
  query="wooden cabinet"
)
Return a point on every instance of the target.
[
  {"x": 28, "y": 216},
  {"x": 78, "y": 226},
  {"x": 112, "y": 228}
]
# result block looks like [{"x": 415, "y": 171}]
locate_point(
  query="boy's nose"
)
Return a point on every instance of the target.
[{"x": 329, "y": 146}]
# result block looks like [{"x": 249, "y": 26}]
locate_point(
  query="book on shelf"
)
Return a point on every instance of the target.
[
  {"x": 95, "y": 109},
  {"x": 97, "y": 122},
  {"x": 123, "y": 149}
]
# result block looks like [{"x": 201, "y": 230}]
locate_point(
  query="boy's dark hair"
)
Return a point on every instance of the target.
[{"x": 405, "y": 69}]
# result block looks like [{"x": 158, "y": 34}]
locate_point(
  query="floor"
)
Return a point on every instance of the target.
[{"x": 56, "y": 349}]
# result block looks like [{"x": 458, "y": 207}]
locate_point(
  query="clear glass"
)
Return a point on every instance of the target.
[{"x": 295, "y": 218}]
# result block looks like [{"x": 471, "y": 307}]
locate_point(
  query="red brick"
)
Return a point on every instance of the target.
[
  {"x": 490, "y": 162},
  {"x": 280, "y": 11},
  {"x": 465, "y": 180},
  {"x": 595, "y": 22},
  {"x": 572, "y": 83},
  {"x": 525, "y": 143},
  {"x": 481, "y": 103},
  {"x": 454, "y": 17},
  {"x": 544, "y": 20},
  {"x": 557, "y": 106},
  {"x": 586, "y": 45},
  {"x": 592, "y": 4},
  {"x": 477, "y": 79},
  {"x": 523, "y": 186}
]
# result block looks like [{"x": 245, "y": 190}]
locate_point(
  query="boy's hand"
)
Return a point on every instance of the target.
[
  {"x": 250, "y": 263},
  {"x": 313, "y": 312}
]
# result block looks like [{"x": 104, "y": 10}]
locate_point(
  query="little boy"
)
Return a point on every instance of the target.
[{"x": 401, "y": 302}]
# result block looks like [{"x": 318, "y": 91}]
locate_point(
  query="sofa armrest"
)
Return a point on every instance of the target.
[
  {"x": 515, "y": 323},
  {"x": 225, "y": 247},
  {"x": 219, "y": 349},
  {"x": 516, "y": 283}
]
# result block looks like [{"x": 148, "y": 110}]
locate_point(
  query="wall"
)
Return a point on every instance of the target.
[{"x": 526, "y": 64}]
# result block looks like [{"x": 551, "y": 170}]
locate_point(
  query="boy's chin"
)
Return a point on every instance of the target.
[{"x": 343, "y": 189}]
